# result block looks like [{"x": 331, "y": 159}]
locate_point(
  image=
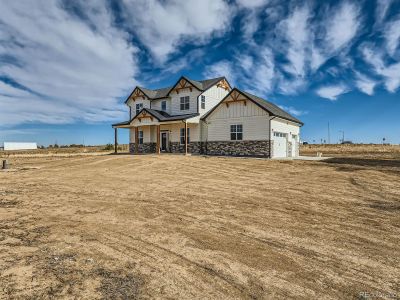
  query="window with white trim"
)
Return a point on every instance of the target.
[
  {"x": 203, "y": 101},
  {"x": 183, "y": 136},
  {"x": 185, "y": 103},
  {"x": 140, "y": 137},
  {"x": 139, "y": 107},
  {"x": 164, "y": 105},
  {"x": 280, "y": 134},
  {"x": 236, "y": 132}
]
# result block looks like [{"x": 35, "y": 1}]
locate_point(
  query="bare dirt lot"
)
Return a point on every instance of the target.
[{"x": 191, "y": 227}]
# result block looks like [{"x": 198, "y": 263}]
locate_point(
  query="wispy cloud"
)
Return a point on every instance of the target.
[
  {"x": 340, "y": 27},
  {"x": 73, "y": 68},
  {"x": 164, "y": 26},
  {"x": 293, "y": 111},
  {"x": 392, "y": 36},
  {"x": 389, "y": 72},
  {"x": 332, "y": 92},
  {"x": 365, "y": 84}
]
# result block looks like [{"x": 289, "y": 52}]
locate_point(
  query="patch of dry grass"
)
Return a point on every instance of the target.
[{"x": 354, "y": 150}]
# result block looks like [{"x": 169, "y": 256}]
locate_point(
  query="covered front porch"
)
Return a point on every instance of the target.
[
  {"x": 168, "y": 137},
  {"x": 153, "y": 131}
]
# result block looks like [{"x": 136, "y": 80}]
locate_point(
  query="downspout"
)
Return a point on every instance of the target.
[{"x": 270, "y": 133}]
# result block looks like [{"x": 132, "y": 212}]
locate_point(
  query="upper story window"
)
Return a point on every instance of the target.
[
  {"x": 237, "y": 132},
  {"x": 203, "y": 101},
  {"x": 139, "y": 107},
  {"x": 185, "y": 103},
  {"x": 140, "y": 137},
  {"x": 164, "y": 105},
  {"x": 183, "y": 136}
]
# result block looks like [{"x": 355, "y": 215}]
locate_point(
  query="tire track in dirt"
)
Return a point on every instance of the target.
[{"x": 164, "y": 252}]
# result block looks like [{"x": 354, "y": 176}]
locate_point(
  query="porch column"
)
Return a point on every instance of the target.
[
  {"x": 186, "y": 138},
  {"x": 158, "y": 140},
  {"x": 136, "y": 140},
  {"x": 115, "y": 140}
]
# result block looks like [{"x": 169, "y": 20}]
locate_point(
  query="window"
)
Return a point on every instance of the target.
[
  {"x": 140, "y": 137},
  {"x": 237, "y": 132},
  {"x": 185, "y": 103},
  {"x": 294, "y": 136},
  {"x": 183, "y": 136},
  {"x": 139, "y": 107},
  {"x": 280, "y": 134},
  {"x": 203, "y": 101},
  {"x": 163, "y": 105}
]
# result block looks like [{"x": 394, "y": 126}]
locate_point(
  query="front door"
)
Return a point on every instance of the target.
[{"x": 164, "y": 141}]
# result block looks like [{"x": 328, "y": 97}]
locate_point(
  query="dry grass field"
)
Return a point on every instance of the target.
[
  {"x": 191, "y": 227},
  {"x": 356, "y": 150}
]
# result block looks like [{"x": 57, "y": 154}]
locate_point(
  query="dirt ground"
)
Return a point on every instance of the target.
[{"x": 191, "y": 227}]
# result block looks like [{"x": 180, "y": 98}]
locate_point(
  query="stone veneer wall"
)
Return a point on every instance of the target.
[
  {"x": 193, "y": 147},
  {"x": 143, "y": 148},
  {"x": 230, "y": 148},
  {"x": 239, "y": 148}
]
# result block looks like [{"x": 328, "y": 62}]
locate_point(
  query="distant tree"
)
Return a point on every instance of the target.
[{"x": 109, "y": 147}]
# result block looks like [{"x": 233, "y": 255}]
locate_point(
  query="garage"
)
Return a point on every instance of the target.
[{"x": 280, "y": 144}]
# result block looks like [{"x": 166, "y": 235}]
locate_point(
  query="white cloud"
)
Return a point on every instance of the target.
[
  {"x": 390, "y": 73},
  {"x": 381, "y": 10},
  {"x": 365, "y": 84},
  {"x": 293, "y": 111},
  {"x": 75, "y": 69},
  {"x": 297, "y": 33},
  {"x": 341, "y": 25},
  {"x": 252, "y": 4},
  {"x": 392, "y": 36},
  {"x": 163, "y": 26},
  {"x": 221, "y": 68},
  {"x": 332, "y": 92}
]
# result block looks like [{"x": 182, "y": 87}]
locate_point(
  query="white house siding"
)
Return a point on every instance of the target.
[
  {"x": 176, "y": 101},
  {"x": 132, "y": 104},
  {"x": 213, "y": 96},
  {"x": 156, "y": 104},
  {"x": 253, "y": 118},
  {"x": 150, "y": 132},
  {"x": 290, "y": 128}
]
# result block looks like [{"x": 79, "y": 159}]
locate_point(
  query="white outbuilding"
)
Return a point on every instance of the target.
[{"x": 19, "y": 146}]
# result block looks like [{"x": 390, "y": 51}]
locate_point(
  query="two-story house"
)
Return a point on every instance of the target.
[{"x": 208, "y": 117}]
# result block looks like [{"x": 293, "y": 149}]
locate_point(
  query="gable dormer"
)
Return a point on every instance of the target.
[
  {"x": 184, "y": 84},
  {"x": 137, "y": 101},
  {"x": 224, "y": 84}
]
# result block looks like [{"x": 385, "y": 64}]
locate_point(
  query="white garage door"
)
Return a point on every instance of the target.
[{"x": 280, "y": 144}]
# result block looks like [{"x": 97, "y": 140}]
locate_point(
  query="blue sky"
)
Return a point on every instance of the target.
[{"x": 66, "y": 67}]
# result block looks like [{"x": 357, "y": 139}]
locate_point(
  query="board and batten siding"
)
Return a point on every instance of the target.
[
  {"x": 255, "y": 122},
  {"x": 213, "y": 96},
  {"x": 132, "y": 104},
  {"x": 176, "y": 101},
  {"x": 156, "y": 104}
]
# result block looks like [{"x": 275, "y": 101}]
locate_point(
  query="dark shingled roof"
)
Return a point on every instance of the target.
[
  {"x": 201, "y": 85},
  {"x": 271, "y": 108},
  {"x": 161, "y": 116}
]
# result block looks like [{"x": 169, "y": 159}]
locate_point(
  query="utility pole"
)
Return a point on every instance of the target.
[
  {"x": 342, "y": 131},
  {"x": 329, "y": 134}
]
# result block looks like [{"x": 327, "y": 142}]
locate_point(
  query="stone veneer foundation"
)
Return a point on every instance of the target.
[
  {"x": 229, "y": 148},
  {"x": 239, "y": 148}
]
